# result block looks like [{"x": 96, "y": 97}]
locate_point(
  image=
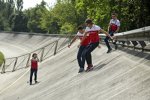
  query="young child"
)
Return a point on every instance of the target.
[{"x": 34, "y": 68}]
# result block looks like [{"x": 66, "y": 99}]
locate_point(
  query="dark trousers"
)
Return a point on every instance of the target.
[
  {"x": 79, "y": 57},
  {"x": 107, "y": 39},
  {"x": 87, "y": 53},
  {"x": 33, "y": 71}
]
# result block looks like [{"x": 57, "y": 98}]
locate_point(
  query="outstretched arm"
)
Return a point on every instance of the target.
[
  {"x": 37, "y": 59},
  {"x": 117, "y": 29},
  {"x": 106, "y": 33},
  {"x": 108, "y": 28},
  {"x": 72, "y": 41}
]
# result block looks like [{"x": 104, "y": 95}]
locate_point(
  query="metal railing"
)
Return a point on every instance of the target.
[
  {"x": 45, "y": 52},
  {"x": 138, "y": 38}
]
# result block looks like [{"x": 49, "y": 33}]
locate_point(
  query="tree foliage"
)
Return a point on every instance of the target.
[{"x": 66, "y": 15}]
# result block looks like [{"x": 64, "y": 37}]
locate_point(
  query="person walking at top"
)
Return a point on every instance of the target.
[
  {"x": 34, "y": 68},
  {"x": 81, "y": 48},
  {"x": 113, "y": 27},
  {"x": 92, "y": 31}
]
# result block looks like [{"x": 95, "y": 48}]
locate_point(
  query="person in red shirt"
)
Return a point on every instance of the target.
[
  {"x": 81, "y": 48},
  {"x": 92, "y": 31},
  {"x": 34, "y": 68},
  {"x": 113, "y": 27}
]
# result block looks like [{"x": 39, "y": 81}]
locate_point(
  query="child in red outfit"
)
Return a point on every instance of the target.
[{"x": 34, "y": 68}]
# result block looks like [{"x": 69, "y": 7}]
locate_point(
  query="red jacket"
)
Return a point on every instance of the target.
[{"x": 94, "y": 37}]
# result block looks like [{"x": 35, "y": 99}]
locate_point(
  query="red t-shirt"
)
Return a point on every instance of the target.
[
  {"x": 34, "y": 64},
  {"x": 86, "y": 40},
  {"x": 113, "y": 27},
  {"x": 93, "y": 33},
  {"x": 94, "y": 37},
  {"x": 114, "y": 24}
]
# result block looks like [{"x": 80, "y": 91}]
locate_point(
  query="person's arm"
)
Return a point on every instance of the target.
[
  {"x": 72, "y": 41},
  {"x": 37, "y": 59},
  {"x": 117, "y": 29},
  {"x": 29, "y": 64},
  {"x": 109, "y": 25},
  {"x": 108, "y": 28},
  {"x": 106, "y": 33},
  {"x": 118, "y": 26}
]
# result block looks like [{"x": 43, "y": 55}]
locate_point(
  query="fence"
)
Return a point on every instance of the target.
[
  {"x": 137, "y": 39},
  {"x": 23, "y": 61}
]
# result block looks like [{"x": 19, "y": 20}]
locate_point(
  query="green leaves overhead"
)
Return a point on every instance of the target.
[{"x": 66, "y": 15}]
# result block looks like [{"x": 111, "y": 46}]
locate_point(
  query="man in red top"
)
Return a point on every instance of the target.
[
  {"x": 113, "y": 27},
  {"x": 81, "y": 48},
  {"x": 93, "y": 32},
  {"x": 34, "y": 68}
]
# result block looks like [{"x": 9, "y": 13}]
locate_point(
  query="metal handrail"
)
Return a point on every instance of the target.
[
  {"x": 141, "y": 32},
  {"x": 43, "y": 54},
  {"x": 136, "y": 31},
  {"x": 137, "y": 37}
]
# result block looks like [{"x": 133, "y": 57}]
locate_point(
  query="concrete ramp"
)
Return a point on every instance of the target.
[
  {"x": 13, "y": 45},
  {"x": 121, "y": 75}
]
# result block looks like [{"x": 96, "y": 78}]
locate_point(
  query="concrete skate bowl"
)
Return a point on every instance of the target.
[{"x": 123, "y": 74}]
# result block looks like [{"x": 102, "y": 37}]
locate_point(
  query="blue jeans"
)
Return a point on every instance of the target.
[
  {"x": 33, "y": 71},
  {"x": 79, "y": 56},
  {"x": 107, "y": 38},
  {"x": 87, "y": 53}
]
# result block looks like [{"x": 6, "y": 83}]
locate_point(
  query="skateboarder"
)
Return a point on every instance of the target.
[{"x": 34, "y": 68}]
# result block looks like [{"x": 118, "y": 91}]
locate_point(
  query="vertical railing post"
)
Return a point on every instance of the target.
[
  {"x": 27, "y": 65},
  {"x": 55, "y": 50},
  {"x": 42, "y": 54},
  {"x": 15, "y": 64}
]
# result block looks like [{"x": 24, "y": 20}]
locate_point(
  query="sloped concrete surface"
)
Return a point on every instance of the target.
[
  {"x": 123, "y": 74},
  {"x": 13, "y": 45}
]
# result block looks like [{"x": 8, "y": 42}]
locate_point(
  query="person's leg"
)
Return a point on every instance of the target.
[
  {"x": 35, "y": 75},
  {"x": 31, "y": 74},
  {"x": 114, "y": 41},
  {"x": 79, "y": 55},
  {"x": 81, "y": 48},
  {"x": 107, "y": 44},
  {"x": 87, "y": 53},
  {"x": 89, "y": 60}
]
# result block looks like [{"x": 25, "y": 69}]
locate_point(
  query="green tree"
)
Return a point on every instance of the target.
[
  {"x": 35, "y": 17},
  {"x": 19, "y": 23},
  {"x": 19, "y": 5}
]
